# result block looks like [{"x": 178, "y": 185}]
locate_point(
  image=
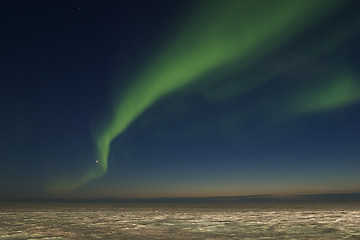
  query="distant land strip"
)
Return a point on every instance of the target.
[{"x": 328, "y": 197}]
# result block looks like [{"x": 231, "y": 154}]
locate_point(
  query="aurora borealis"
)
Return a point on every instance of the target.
[{"x": 189, "y": 98}]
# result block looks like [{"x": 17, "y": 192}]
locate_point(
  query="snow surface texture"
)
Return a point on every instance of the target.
[{"x": 179, "y": 221}]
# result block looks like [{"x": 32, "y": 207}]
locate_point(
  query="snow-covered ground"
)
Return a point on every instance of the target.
[{"x": 180, "y": 221}]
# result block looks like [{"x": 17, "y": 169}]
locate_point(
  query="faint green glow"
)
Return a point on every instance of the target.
[
  {"x": 217, "y": 34},
  {"x": 70, "y": 183},
  {"x": 338, "y": 92}
]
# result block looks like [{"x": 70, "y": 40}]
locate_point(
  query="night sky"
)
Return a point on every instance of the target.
[{"x": 138, "y": 99}]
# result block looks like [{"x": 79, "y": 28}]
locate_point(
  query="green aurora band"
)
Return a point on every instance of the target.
[
  {"x": 343, "y": 90},
  {"x": 217, "y": 35}
]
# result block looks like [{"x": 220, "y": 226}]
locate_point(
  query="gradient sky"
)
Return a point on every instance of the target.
[{"x": 123, "y": 99}]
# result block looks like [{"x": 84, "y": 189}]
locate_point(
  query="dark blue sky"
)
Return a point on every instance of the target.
[{"x": 280, "y": 117}]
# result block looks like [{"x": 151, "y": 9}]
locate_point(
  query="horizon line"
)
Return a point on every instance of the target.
[{"x": 324, "y": 197}]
